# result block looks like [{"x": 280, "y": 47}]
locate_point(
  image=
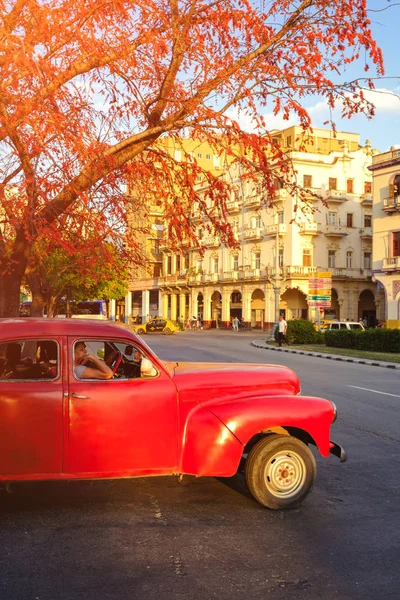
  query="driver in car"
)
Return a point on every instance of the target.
[{"x": 82, "y": 371}]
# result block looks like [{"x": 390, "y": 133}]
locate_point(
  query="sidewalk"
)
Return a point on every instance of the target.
[{"x": 371, "y": 363}]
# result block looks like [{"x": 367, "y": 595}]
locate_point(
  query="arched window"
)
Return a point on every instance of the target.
[{"x": 396, "y": 185}]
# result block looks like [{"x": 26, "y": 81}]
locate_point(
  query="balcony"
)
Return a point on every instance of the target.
[
  {"x": 196, "y": 278},
  {"x": 334, "y": 196},
  {"x": 309, "y": 228},
  {"x": 231, "y": 275},
  {"x": 335, "y": 230},
  {"x": 280, "y": 196},
  {"x": 177, "y": 279},
  {"x": 211, "y": 241},
  {"x": 211, "y": 277},
  {"x": 253, "y": 233},
  {"x": 391, "y": 205},
  {"x": 391, "y": 264},
  {"x": 366, "y": 233},
  {"x": 252, "y": 202},
  {"x": 272, "y": 230},
  {"x": 233, "y": 207},
  {"x": 164, "y": 246},
  {"x": 366, "y": 200},
  {"x": 344, "y": 273},
  {"x": 294, "y": 271}
]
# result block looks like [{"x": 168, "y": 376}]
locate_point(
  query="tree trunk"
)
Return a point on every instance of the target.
[
  {"x": 10, "y": 285},
  {"x": 38, "y": 297}
]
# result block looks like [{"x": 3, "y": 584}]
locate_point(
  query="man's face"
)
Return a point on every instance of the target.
[{"x": 80, "y": 352}]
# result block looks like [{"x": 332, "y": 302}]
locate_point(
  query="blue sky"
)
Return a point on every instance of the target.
[{"x": 384, "y": 129}]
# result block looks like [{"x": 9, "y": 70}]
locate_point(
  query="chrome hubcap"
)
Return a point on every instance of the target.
[{"x": 285, "y": 474}]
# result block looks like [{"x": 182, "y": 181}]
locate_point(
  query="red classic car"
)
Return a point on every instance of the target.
[{"x": 144, "y": 417}]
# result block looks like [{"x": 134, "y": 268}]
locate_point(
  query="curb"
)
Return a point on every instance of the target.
[{"x": 336, "y": 357}]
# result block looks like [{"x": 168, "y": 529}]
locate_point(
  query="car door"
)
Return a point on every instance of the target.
[
  {"x": 161, "y": 325},
  {"x": 122, "y": 426},
  {"x": 31, "y": 409},
  {"x": 152, "y": 326}
]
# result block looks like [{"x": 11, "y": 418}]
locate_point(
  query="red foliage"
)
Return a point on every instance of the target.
[{"x": 88, "y": 87}]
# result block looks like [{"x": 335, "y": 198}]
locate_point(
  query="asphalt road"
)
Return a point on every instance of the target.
[{"x": 206, "y": 538}]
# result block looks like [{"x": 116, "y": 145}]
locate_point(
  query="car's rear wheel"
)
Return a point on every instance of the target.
[
  {"x": 167, "y": 331},
  {"x": 141, "y": 331},
  {"x": 280, "y": 471}
]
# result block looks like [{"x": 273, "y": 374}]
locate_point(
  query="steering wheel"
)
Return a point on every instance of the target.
[{"x": 114, "y": 360}]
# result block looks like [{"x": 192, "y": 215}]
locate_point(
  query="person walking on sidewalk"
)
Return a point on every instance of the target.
[
  {"x": 282, "y": 329},
  {"x": 235, "y": 324}
]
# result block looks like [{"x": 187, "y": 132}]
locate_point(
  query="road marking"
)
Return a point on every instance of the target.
[{"x": 356, "y": 387}]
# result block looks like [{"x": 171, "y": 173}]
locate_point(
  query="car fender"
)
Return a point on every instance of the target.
[
  {"x": 208, "y": 446},
  {"x": 248, "y": 417}
]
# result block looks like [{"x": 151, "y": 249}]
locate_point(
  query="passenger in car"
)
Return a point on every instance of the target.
[{"x": 82, "y": 371}]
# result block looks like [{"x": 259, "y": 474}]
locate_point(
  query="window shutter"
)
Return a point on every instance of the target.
[{"x": 391, "y": 190}]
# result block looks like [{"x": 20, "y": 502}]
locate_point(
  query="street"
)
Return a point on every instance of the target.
[{"x": 206, "y": 538}]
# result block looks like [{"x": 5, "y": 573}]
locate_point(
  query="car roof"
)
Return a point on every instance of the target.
[{"x": 42, "y": 327}]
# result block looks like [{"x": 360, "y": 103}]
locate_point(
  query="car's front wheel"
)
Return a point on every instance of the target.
[
  {"x": 141, "y": 331},
  {"x": 280, "y": 471}
]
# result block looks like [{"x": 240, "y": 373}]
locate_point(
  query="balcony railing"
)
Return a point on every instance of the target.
[
  {"x": 231, "y": 275},
  {"x": 233, "y": 206},
  {"x": 391, "y": 264},
  {"x": 336, "y": 196},
  {"x": 252, "y": 233},
  {"x": 366, "y": 200},
  {"x": 310, "y": 228},
  {"x": 211, "y": 241},
  {"x": 299, "y": 271},
  {"x": 366, "y": 233},
  {"x": 349, "y": 273},
  {"x": 280, "y": 195},
  {"x": 335, "y": 230},
  {"x": 279, "y": 228},
  {"x": 211, "y": 277},
  {"x": 391, "y": 204},
  {"x": 252, "y": 202}
]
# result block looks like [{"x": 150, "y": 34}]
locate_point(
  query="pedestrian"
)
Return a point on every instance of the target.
[
  {"x": 199, "y": 322},
  {"x": 235, "y": 324},
  {"x": 365, "y": 322},
  {"x": 282, "y": 329}
]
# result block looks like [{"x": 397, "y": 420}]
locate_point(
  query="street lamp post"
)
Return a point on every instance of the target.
[{"x": 277, "y": 278}]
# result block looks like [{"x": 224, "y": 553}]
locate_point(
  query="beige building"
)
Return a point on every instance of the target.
[
  {"x": 277, "y": 255},
  {"x": 386, "y": 231}
]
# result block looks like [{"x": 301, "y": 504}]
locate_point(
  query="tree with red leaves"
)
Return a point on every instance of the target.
[{"x": 90, "y": 89}]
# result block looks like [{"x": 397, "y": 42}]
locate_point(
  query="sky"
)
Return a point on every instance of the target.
[{"x": 384, "y": 129}]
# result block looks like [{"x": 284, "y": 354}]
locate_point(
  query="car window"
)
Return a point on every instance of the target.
[
  {"x": 335, "y": 326},
  {"x": 355, "y": 326},
  {"x": 27, "y": 360},
  {"x": 124, "y": 359},
  {"x": 343, "y": 326}
]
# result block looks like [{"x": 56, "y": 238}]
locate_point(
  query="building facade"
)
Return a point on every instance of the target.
[
  {"x": 386, "y": 231},
  {"x": 281, "y": 244}
]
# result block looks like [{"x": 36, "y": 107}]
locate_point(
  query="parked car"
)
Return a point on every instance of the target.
[
  {"x": 156, "y": 325},
  {"x": 151, "y": 417},
  {"x": 335, "y": 325}
]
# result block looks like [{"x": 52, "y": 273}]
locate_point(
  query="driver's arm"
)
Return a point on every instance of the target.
[{"x": 102, "y": 371}]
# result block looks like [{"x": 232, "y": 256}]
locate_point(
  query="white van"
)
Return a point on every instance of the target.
[{"x": 344, "y": 325}]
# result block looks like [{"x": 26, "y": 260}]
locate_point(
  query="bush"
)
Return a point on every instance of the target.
[
  {"x": 377, "y": 340},
  {"x": 303, "y": 332}
]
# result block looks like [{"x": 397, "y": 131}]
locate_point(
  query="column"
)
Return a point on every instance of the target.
[
  {"x": 173, "y": 264},
  {"x": 246, "y": 307},
  {"x": 112, "y": 310},
  {"x": 182, "y": 306},
  {"x": 174, "y": 304},
  {"x": 268, "y": 307},
  {"x": 128, "y": 306},
  {"x": 145, "y": 305},
  {"x": 159, "y": 306},
  {"x": 164, "y": 312},
  {"x": 194, "y": 305},
  {"x": 207, "y": 308},
  {"x": 226, "y": 307}
]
